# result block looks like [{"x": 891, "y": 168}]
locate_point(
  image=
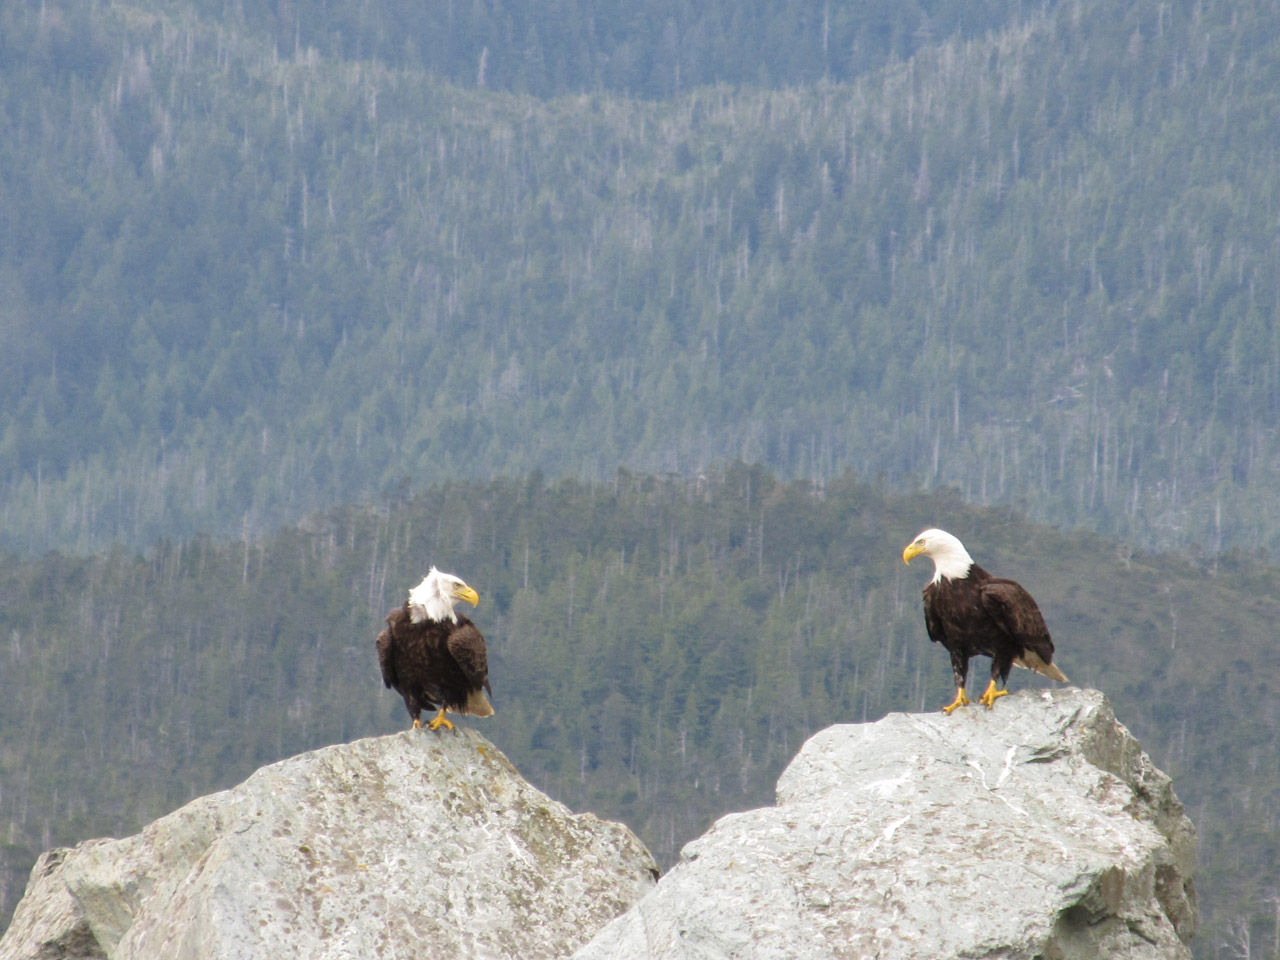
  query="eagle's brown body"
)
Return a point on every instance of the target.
[
  {"x": 982, "y": 615},
  {"x": 435, "y": 664}
]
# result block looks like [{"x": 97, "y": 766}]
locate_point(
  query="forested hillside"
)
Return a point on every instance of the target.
[
  {"x": 659, "y": 649},
  {"x": 652, "y": 49},
  {"x": 247, "y": 277}
]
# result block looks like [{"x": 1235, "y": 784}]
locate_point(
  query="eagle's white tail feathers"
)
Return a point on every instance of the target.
[
  {"x": 478, "y": 704},
  {"x": 1031, "y": 661}
]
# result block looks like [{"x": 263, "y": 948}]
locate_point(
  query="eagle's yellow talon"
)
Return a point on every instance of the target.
[
  {"x": 989, "y": 697},
  {"x": 439, "y": 721},
  {"x": 960, "y": 701}
]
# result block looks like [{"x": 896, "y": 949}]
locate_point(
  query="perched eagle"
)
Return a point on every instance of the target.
[
  {"x": 433, "y": 656},
  {"x": 972, "y": 613}
]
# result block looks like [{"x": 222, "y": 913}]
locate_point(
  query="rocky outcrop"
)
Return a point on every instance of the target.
[
  {"x": 412, "y": 845},
  {"x": 1039, "y": 829}
]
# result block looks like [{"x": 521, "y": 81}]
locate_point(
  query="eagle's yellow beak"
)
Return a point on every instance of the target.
[
  {"x": 913, "y": 550},
  {"x": 463, "y": 592}
]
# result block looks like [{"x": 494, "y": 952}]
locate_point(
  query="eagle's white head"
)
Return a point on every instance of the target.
[
  {"x": 950, "y": 558},
  {"x": 434, "y": 597}
]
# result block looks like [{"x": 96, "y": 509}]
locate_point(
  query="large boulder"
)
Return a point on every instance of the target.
[
  {"x": 412, "y": 845},
  {"x": 1037, "y": 829}
]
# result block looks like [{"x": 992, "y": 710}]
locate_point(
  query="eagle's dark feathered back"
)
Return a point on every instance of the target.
[
  {"x": 435, "y": 664},
  {"x": 982, "y": 615}
]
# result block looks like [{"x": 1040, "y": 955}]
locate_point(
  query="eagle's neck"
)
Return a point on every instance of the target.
[
  {"x": 429, "y": 600},
  {"x": 419, "y": 615},
  {"x": 951, "y": 561},
  {"x": 431, "y": 611}
]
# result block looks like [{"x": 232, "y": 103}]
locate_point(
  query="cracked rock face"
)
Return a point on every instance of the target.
[
  {"x": 1039, "y": 829},
  {"x": 411, "y": 845}
]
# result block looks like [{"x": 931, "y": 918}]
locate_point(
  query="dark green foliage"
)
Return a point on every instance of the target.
[
  {"x": 256, "y": 267},
  {"x": 659, "y": 649}
]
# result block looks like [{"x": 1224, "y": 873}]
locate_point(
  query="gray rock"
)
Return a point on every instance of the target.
[
  {"x": 412, "y": 845},
  {"x": 1037, "y": 829}
]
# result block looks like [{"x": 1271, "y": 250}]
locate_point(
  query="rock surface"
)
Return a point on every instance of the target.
[
  {"x": 411, "y": 845},
  {"x": 1037, "y": 829}
]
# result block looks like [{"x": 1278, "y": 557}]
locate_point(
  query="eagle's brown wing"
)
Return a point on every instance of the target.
[
  {"x": 466, "y": 645},
  {"x": 384, "y": 658},
  {"x": 1009, "y": 605},
  {"x": 385, "y": 642},
  {"x": 932, "y": 622}
]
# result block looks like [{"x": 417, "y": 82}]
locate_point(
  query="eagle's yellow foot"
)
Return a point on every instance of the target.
[
  {"x": 960, "y": 701},
  {"x": 417, "y": 724},
  {"x": 989, "y": 697},
  {"x": 439, "y": 721}
]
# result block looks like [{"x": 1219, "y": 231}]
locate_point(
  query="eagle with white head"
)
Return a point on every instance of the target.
[
  {"x": 434, "y": 656},
  {"x": 972, "y": 613}
]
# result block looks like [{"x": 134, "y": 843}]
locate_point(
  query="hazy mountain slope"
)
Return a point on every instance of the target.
[
  {"x": 652, "y": 49},
  {"x": 659, "y": 650},
  {"x": 243, "y": 285}
]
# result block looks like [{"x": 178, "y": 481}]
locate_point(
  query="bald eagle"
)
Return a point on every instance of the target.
[
  {"x": 433, "y": 656},
  {"x": 972, "y": 613}
]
